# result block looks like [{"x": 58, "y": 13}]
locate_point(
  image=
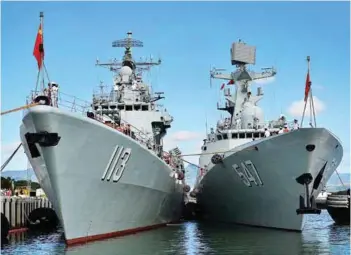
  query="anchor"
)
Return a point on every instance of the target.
[{"x": 310, "y": 207}]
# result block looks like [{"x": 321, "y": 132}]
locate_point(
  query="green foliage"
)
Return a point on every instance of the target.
[{"x": 5, "y": 183}]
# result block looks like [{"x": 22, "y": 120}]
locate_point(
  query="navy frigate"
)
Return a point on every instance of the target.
[
  {"x": 257, "y": 172},
  {"x": 104, "y": 168}
]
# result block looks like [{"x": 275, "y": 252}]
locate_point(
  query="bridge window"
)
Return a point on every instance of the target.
[
  {"x": 137, "y": 107},
  {"x": 204, "y": 148},
  {"x": 225, "y": 136},
  {"x": 241, "y": 135},
  {"x": 248, "y": 135},
  {"x": 256, "y": 135},
  {"x": 121, "y": 107},
  {"x": 235, "y": 135},
  {"x": 261, "y": 134},
  {"x": 144, "y": 107},
  {"x": 129, "y": 108},
  {"x": 219, "y": 137}
]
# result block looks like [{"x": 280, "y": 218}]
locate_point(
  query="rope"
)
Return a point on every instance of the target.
[
  {"x": 340, "y": 179},
  {"x": 199, "y": 154},
  {"x": 190, "y": 163},
  {"x": 19, "y": 108},
  {"x": 9, "y": 159}
]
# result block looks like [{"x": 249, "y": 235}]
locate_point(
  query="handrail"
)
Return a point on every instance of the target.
[{"x": 68, "y": 101}]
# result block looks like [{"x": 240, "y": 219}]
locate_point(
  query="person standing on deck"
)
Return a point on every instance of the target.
[
  {"x": 54, "y": 94},
  {"x": 267, "y": 133},
  {"x": 285, "y": 130},
  {"x": 50, "y": 92},
  {"x": 296, "y": 125},
  {"x": 280, "y": 130}
]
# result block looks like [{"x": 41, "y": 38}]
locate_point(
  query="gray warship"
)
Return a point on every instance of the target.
[
  {"x": 257, "y": 172},
  {"x": 104, "y": 168}
]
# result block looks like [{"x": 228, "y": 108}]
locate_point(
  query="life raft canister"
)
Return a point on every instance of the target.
[
  {"x": 180, "y": 175},
  {"x": 216, "y": 159},
  {"x": 186, "y": 188}
]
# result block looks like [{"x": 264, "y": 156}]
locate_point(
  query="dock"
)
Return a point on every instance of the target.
[{"x": 16, "y": 211}]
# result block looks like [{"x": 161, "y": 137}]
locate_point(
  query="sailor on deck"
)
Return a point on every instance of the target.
[
  {"x": 280, "y": 130},
  {"x": 267, "y": 133},
  {"x": 54, "y": 94},
  {"x": 286, "y": 130},
  {"x": 296, "y": 125}
]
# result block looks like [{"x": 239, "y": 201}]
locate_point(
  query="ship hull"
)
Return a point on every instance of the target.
[
  {"x": 269, "y": 196},
  {"x": 101, "y": 182}
]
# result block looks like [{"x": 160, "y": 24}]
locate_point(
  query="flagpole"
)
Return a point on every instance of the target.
[
  {"x": 41, "y": 52},
  {"x": 304, "y": 109},
  {"x": 39, "y": 71}
]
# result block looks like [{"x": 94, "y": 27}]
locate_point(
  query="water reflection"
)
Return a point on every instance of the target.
[{"x": 320, "y": 236}]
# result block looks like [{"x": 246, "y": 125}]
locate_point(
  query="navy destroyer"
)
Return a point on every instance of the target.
[
  {"x": 257, "y": 172},
  {"x": 104, "y": 168}
]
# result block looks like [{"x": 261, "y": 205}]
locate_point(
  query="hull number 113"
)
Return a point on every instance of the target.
[{"x": 116, "y": 164}]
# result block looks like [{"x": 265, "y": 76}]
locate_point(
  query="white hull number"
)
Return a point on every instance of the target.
[
  {"x": 248, "y": 173},
  {"x": 117, "y": 164}
]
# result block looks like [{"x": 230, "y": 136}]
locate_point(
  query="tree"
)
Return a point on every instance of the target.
[{"x": 5, "y": 183}]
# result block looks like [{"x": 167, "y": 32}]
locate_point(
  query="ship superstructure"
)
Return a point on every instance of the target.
[
  {"x": 257, "y": 172},
  {"x": 105, "y": 171}
]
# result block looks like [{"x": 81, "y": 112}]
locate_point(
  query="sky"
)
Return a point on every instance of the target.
[{"x": 190, "y": 37}]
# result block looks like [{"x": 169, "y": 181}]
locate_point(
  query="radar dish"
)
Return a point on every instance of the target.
[{"x": 127, "y": 42}]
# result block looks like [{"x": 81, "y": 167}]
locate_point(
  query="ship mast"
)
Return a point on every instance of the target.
[
  {"x": 128, "y": 60},
  {"x": 241, "y": 56}
]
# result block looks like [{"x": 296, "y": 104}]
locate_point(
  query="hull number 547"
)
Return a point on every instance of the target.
[
  {"x": 248, "y": 173},
  {"x": 117, "y": 164}
]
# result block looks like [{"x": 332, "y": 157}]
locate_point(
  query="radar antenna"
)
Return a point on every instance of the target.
[{"x": 128, "y": 43}]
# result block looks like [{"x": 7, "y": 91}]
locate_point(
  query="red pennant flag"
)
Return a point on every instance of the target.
[
  {"x": 222, "y": 87},
  {"x": 307, "y": 86},
  {"x": 38, "y": 51},
  {"x": 231, "y": 82}
]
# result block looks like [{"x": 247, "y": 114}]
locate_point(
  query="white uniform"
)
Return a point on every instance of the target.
[
  {"x": 267, "y": 133},
  {"x": 54, "y": 96}
]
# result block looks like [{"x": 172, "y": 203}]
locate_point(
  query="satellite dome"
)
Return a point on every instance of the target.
[{"x": 125, "y": 70}]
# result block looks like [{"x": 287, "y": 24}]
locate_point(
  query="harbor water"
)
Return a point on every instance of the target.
[{"x": 320, "y": 236}]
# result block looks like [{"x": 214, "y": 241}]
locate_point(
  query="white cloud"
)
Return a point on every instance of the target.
[
  {"x": 19, "y": 161},
  {"x": 265, "y": 81},
  {"x": 296, "y": 108},
  {"x": 185, "y": 135}
]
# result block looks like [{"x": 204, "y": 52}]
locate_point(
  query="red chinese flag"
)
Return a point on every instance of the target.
[
  {"x": 307, "y": 86},
  {"x": 222, "y": 87},
  {"x": 38, "y": 51},
  {"x": 231, "y": 82}
]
